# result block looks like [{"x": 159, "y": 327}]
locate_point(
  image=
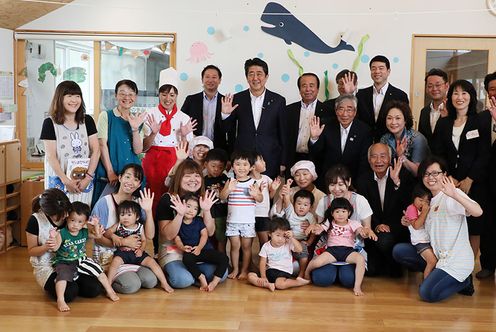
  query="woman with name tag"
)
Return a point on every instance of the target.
[{"x": 457, "y": 141}]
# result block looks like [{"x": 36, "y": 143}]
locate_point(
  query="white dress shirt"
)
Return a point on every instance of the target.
[
  {"x": 381, "y": 184},
  {"x": 378, "y": 98},
  {"x": 344, "y": 135},
  {"x": 306, "y": 113},
  {"x": 209, "y": 110},
  {"x": 256, "y": 107},
  {"x": 434, "y": 116}
]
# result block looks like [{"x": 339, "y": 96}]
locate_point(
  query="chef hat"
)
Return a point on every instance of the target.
[{"x": 168, "y": 76}]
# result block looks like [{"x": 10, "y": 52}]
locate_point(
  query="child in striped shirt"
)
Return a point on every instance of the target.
[{"x": 242, "y": 194}]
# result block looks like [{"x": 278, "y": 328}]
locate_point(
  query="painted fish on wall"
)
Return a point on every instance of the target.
[{"x": 292, "y": 30}]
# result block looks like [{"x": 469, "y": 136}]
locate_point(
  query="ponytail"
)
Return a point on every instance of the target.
[{"x": 52, "y": 202}]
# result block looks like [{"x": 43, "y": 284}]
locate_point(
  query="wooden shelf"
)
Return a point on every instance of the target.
[{"x": 10, "y": 194}]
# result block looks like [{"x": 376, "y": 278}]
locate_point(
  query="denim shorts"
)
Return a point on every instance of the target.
[{"x": 421, "y": 247}]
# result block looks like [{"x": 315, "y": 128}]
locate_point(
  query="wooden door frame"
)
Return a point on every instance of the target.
[{"x": 418, "y": 63}]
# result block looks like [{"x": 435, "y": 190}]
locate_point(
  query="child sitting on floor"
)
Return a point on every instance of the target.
[
  {"x": 276, "y": 259},
  {"x": 70, "y": 258}
]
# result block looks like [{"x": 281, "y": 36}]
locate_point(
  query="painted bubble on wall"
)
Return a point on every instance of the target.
[
  {"x": 285, "y": 78},
  {"x": 198, "y": 52},
  {"x": 396, "y": 59},
  {"x": 210, "y": 30},
  {"x": 365, "y": 58},
  {"x": 335, "y": 66},
  {"x": 306, "y": 54},
  {"x": 246, "y": 28},
  {"x": 183, "y": 76},
  {"x": 260, "y": 55},
  {"x": 238, "y": 88}
]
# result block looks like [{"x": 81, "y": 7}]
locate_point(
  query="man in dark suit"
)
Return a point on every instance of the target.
[
  {"x": 487, "y": 132},
  {"x": 299, "y": 115},
  {"x": 346, "y": 81},
  {"x": 205, "y": 108},
  {"x": 436, "y": 87},
  {"x": 257, "y": 118},
  {"x": 373, "y": 100},
  {"x": 344, "y": 140},
  {"x": 388, "y": 191}
]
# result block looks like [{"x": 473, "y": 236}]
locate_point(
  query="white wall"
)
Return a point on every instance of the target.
[
  {"x": 7, "y": 59},
  {"x": 389, "y": 23}
]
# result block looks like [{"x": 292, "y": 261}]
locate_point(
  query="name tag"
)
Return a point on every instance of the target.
[{"x": 472, "y": 134}]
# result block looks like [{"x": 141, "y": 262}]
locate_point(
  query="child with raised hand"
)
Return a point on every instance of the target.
[
  {"x": 129, "y": 213},
  {"x": 193, "y": 239},
  {"x": 242, "y": 194},
  {"x": 416, "y": 213},
  {"x": 70, "y": 257},
  {"x": 341, "y": 232},
  {"x": 269, "y": 188},
  {"x": 215, "y": 180},
  {"x": 276, "y": 259},
  {"x": 298, "y": 215}
]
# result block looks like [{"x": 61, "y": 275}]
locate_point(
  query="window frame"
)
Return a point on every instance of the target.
[{"x": 20, "y": 63}]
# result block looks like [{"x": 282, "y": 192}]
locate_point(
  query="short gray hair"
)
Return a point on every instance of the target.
[
  {"x": 342, "y": 98},
  {"x": 388, "y": 147}
]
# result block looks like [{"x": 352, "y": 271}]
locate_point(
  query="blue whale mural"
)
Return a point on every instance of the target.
[{"x": 292, "y": 30}]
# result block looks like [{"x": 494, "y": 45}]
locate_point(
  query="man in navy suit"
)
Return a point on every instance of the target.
[
  {"x": 256, "y": 117},
  {"x": 372, "y": 100},
  {"x": 344, "y": 140},
  {"x": 298, "y": 116},
  {"x": 205, "y": 108},
  {"x": 436, "y": 87},
  {"x": 487, "y": 132},
  {"x": 346, "y": 81}
]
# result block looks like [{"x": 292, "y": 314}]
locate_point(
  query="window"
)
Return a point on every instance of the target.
[{"x": 95, "y": 61}]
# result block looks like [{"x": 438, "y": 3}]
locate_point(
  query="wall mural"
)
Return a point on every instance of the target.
[
  {"x": 292, "y": 30},
  {"x": 198, "y": 52},
  {"x": 279, "y": 22}
]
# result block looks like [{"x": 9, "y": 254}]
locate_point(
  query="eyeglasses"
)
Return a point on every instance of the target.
[
  {"x": 434, "y": 174},
  {"x": 345, "y": 110}
]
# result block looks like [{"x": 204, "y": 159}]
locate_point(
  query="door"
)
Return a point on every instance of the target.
[{"x": 469, "y": 58}]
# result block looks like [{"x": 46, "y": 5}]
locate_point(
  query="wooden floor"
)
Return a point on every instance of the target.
[{"x": 389, "y": 305}]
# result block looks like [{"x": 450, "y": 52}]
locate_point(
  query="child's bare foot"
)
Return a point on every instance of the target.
[
  {"x": 302, "y": 281},
  {"x": 167, "y": 288},
  {"x": 203, "y": 283},
  {"x": 233, "y": 274},
  {"x": 358, "y": 291},
  {"x": 243, "y": 276},
  {"x": 270, "y": 286},
  {"x": 212, "y": 285},
  {"x": 113, "y": 296},
  {"x": 62, "y": 306}
]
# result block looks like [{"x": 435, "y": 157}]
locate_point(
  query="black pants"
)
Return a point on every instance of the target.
[
  {"x": 207, "y": 256},
  {"x": 380, "y": 256},
  {"x": 84, "y": 286},
  {"x": 487, "y": 247}
]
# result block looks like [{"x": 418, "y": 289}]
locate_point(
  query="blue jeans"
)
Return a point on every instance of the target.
[
  {"x": 439, "y": 285},
  {"x": 179, "y": 277},
  {"x": 406, "y": 255},
  {"x": 326, "y": 275}
]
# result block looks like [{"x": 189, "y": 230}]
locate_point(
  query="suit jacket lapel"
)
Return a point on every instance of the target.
[
  {"x": 266, "y": 106},
  {"x": 352, "y": 136}
]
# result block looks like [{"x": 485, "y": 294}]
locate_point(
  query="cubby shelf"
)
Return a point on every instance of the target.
[{"x": 10, "y": 194}]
